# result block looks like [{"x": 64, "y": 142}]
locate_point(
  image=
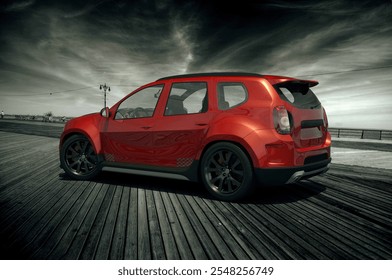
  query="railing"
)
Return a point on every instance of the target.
[
  {"x": 375, "y": 134},
  {"x": 37, "y": 118}
]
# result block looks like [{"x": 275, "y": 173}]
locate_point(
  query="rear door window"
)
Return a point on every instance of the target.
[
  {"x": 187, "y": 98},
  {"x": 298, "y": 94}
]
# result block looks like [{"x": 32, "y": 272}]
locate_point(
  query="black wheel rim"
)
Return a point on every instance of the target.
[
  {"x": 80, "y": 157},
  {"x": 224, "y": 172}
]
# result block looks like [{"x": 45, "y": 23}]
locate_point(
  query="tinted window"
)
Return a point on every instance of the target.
[
  {"x": 187, "y": 98},
  {"x": 298, "y": 94},
  {"x": 231, "y": 95},
  {"x": 140, "y": 104}
]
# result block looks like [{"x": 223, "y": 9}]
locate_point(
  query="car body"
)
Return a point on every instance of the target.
[{"x": 231, "y": 131}]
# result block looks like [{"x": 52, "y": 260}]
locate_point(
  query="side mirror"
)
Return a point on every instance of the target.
[{"x": 105, "y": 112}]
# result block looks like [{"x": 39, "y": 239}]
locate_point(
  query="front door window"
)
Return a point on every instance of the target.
[{"x": 140, "y": 104}]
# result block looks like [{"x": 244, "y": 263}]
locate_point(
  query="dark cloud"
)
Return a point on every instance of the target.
[
  {"x": 16, "y": 6},
  {"x": 51, "y": 46}
]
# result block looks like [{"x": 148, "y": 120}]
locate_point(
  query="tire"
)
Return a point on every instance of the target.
[
  {"x": 78, "y": 158},
  {"x": 227, "y": 172}
]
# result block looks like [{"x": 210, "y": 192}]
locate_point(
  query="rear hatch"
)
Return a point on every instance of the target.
[{"x": 306, "y": 114}]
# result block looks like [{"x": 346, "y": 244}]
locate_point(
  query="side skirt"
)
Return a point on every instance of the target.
[{"x": 190, "y": 174}]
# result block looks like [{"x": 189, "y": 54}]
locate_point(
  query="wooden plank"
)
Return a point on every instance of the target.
[
  {"x": 195, "y": 244},
  {"x": 25, "y": 172},
  {"x": 168, "y": 238},
  {"x": 11, "y": 154},
  {"x": 11, "y": 141},
  {"x": 307, "y": 225},
  {"x": 272, "y": 229},
  {"x": 298, "y": 232},
  {"x": 40, "y": 233},
  {"x": 14, "y": 203},
  {"x": 119, "y": 236},
  {"x": 342, "y": 216},
  {"x": 25, "y": 187},
  {"x": 205, "y": 240},
  {"x": 360, "y": 193},
  {"x": 362, "y": 223},
  {"x": 226, "y": 231},
  {"x": 359, "y": 173},
  {"x": 329, "y": 232},
  {"x": 80, "y": 236},
  {"x": 270, "y": 246},
  {"x": 347, "y": 219},
  {"x": 178, "y": 230},
  {"x": 80, "y": 203},
  {"x": 219, "y": 236},
  {"x": 106, "y": 238},
  {"x": 157, "y": 247},
  {"x": 131, "y": 249},
  {"x": 36, "y": 220},
  {"x": 295, "y": 238},
  {"x": 381, "y": 192},
  {"x": 18, "y": 214},
  {"x": 370, "y": 211},
  {"x": 143, "y": 234},
  {"x": 93, "y": 238},
  {"x": 244, "y": 237},
  {"x": 70, "y": 229},
  {"x": 334, "y": 234}
]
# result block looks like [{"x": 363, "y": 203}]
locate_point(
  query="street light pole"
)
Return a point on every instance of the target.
[{"x": 104, "y": 87}]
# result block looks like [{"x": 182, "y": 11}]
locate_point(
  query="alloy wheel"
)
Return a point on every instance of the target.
[{"x": 80, "y": 157}]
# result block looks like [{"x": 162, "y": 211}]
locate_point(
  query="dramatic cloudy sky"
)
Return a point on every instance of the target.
[{"x": 68, "y": 48}]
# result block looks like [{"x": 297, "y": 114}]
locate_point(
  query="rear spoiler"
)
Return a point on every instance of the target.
[
  {"x": 310, "y": 83},
  {"x": 297, "y": 85},
  {"x": 276, "y": 80}
]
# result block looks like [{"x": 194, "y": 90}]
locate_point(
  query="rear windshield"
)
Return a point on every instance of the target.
[{"x": 298, "y": 94}]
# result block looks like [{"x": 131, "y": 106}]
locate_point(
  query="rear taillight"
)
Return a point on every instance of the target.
[
  {"x": 325, "y": 119},
  {"x": 282, "y": 120}
]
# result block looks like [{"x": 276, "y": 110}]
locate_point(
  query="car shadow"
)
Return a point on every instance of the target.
[
  {"x": 261, "y": 195},
  {"x": 282, "y": 194}
]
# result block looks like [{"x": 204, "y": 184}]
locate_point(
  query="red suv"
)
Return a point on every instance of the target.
[{"x": 231, "y": 131}]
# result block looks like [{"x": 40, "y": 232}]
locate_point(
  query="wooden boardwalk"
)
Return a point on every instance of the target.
[{"x": 345, "y": 214}]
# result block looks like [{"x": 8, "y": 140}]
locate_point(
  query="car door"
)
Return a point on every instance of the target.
[
  {"x": 179, "y": 133},
  {"x": 126, "y": 136}
]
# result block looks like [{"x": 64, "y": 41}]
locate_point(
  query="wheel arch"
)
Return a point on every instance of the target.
[
  {"x": 240, "y": 144},
  {"x": 234, "y": 129},
  {"x": 93, "y": 140}
]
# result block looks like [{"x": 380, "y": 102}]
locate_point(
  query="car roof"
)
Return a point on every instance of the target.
[
  {"x": 273, "y": 79},
  {"x": 213, "y": 74}
]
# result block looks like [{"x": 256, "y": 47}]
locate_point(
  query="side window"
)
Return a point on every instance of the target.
[
  {"x": 187, "y": 98},
  {"x": 231, "y": 95},
  {"x": 140, "y": 104}
]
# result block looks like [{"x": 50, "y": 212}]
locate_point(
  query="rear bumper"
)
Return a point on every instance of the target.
[{"x": 289, "y": 175}]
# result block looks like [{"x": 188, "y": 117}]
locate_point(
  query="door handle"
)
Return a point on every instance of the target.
[
  {"x": 201, "y": 124},
  {"x": 146, "y": 127}
]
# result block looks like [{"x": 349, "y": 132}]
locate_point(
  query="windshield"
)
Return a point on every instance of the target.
[{"x": 298, "y": 94}]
